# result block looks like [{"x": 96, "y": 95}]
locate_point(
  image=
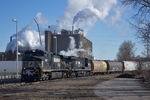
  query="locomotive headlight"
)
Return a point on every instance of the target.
[{"x": 24, "y": 68}]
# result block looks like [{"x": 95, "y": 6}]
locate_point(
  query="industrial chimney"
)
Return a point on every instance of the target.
[
  {"x": 11, "y": 39},
  {"x": 72, "y": 29},
  {"x": 48, "y": 39}
]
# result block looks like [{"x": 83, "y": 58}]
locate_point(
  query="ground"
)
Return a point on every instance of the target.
[{"x": 101, "y": 87}]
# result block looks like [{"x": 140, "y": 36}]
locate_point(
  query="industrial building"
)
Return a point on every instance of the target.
[{"x": 61, "y": 42}]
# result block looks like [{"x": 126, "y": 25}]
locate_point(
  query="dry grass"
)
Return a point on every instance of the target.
[{"x": 60, "y": 89}]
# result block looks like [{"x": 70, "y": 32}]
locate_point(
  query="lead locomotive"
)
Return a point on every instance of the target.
[{"x": 40, "y": 65}]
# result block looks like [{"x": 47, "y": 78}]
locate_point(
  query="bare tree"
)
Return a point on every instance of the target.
[
  {"x": 144, "y": 34},
  {"x": 142, "y": 6},
  {"x": 141, "y": 21},
  {"x": 126, "y": 51}
]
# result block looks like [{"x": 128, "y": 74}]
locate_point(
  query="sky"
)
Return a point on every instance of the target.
[{"x": 105, "y": 23}]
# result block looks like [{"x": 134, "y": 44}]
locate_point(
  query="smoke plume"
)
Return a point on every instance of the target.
[{"x": 85, "y": 13}]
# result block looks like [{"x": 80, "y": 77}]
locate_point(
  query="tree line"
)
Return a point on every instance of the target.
[{"x": 141, "y": 23}]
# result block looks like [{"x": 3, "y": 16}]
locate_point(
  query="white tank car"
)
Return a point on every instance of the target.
[
  {"x": 10, "y": 66},
  {"x": 130, "y": 65}
]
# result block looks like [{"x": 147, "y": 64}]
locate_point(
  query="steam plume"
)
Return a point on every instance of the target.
[
  {"x": 27, "y": 38},
  {"x": 84, "y": 13}
]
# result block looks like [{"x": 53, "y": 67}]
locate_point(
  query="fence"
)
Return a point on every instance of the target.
[{"x": 6, "y": 78}]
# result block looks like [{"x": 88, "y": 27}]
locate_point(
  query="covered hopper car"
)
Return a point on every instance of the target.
[
  {"x": 115, "y": 66},
  {"x": 130, "y": 65},
  {"x": 99, "y": 66}
]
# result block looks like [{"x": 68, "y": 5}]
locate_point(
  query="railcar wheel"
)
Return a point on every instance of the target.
[
  {"x": 68, "y": 74},
  {"x": 76, "y": 74},
  {"x": 62, "y": 75},
  {"x": 49, "y": 76}
]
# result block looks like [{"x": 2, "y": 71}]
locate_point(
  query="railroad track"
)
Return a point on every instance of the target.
[
  {"x": 18, "y": 84},
  {"x": 80, "y": 87}
]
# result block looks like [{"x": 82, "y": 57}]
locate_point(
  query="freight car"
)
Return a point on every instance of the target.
[
  {"x": 145, "y": 65},
  {"x": 114, "y": 66},
  {"x": 130, "y": 65},
  {"x": 106, "y": 66},
  {"x": 40, "y": 65},
  {"x": 99, "y": 66}
]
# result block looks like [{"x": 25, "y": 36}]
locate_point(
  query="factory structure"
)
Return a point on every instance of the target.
[{"x": 61, "y": 42}]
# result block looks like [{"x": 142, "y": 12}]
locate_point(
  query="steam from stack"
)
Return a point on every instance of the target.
[
  {"x": 72, "y": 29},
  {"x": 84, "y": 13},
  {"x": 27, "y": 38}
]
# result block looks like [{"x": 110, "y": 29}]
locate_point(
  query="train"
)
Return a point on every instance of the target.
[{"x": 41, "y": 65}]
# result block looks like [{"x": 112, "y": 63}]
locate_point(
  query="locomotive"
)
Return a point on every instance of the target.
[{"x": 40, "y": 65}]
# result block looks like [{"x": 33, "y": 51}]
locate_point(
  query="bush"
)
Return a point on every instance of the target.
[{"x": 146, "y": 75}]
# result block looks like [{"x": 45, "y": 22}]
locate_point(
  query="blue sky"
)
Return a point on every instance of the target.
[{"x": 106, "y": 37}]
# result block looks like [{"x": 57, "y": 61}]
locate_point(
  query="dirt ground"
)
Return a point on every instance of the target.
[
  {"x": 80, "y": 88},
  {"x": 122, "y": 89},
  {"x": 101, "y": 87}
]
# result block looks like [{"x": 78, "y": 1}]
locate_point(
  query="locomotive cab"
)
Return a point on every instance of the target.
[{"x": 32, "y": 64}]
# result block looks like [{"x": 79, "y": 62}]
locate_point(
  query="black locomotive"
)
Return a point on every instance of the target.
[{"x": 41, "y": 65}]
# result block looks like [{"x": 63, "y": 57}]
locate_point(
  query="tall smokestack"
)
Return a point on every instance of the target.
[
  {"x": 11, "y": 39},
  {"x": 48, "y": 39},
  {"x": 72, "y": 29}
]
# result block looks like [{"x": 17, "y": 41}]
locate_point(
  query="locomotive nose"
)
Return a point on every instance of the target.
[{"x": 31, "y": 63}]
